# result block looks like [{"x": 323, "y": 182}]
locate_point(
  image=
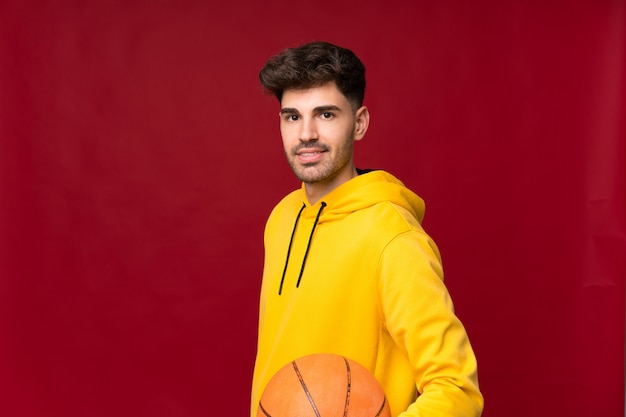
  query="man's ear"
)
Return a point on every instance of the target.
[{"x": 361, "y": 122}]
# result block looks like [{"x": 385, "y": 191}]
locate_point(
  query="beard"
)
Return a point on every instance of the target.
[{"x": 326, "y": 169}]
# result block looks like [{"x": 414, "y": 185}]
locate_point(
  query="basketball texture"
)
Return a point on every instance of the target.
[{"x": 323, "y": 385}]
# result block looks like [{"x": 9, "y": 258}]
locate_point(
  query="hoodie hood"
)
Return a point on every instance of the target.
[
  {"x": 363, "y": 191},
  {"x": 366, "y": 190}
]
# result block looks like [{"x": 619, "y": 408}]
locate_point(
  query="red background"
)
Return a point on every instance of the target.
[{"x": 139, "y": 160}]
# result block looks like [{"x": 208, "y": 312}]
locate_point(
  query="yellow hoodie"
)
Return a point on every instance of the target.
[{"x": 356, "y": 275}]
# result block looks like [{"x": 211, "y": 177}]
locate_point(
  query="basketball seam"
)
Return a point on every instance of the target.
[
  {"x": 349, "y": 386},
  {"x": 305, "y": 388},
  {"x": 381, "y": 407},
  {"x": 265, "y": 411}
]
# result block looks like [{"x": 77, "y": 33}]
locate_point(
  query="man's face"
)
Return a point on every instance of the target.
[{"x": 319, "y": 127}]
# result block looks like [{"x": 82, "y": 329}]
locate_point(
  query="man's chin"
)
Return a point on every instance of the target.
[
  {"x": 310, "y": 178},
  {"x": 308, "y": 173}
]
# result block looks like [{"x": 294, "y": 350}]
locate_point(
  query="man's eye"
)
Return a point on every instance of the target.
[
  {"x": 327, "y": 115},
  {"x": 291, "y": 117}
]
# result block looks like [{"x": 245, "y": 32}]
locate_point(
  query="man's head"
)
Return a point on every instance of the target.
[
  {"x": 320, "y": 89},
  {"x": 313, "y": 65}
]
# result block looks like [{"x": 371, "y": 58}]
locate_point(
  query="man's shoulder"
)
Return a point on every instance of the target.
[
  {"x": 390, "y": 215},
  {"x": 289, "y": 203},
  {"x": 294, "y": 198}
]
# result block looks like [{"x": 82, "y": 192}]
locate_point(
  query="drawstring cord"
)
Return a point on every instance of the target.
[
  {"x": 306, "y": 252},
  {"x": 295, "y": 226}
]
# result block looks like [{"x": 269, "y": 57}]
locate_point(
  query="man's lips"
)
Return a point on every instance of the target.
[{"x": 309, "y": 155}]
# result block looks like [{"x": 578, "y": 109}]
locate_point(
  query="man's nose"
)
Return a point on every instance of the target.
[{"x": 308, "y": 131}]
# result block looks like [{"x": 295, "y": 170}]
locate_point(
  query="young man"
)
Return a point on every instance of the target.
[{"x": 348, "y": 268}]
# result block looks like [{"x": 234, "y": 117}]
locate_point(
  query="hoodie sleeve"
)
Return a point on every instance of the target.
[{"x": 419, "y": 316}]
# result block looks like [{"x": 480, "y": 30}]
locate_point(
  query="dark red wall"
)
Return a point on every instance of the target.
[{"x": 139, "y": 160}]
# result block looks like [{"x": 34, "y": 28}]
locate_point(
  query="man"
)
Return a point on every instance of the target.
[{"x": 348, "y": 268}]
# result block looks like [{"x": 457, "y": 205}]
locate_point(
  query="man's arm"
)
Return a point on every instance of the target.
[{"x": 420, "y": 318}]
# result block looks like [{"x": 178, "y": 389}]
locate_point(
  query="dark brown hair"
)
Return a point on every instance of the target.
[{"x": 312, "y": 65}]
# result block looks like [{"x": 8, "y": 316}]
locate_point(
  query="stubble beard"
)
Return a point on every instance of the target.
[{"x": 325, "y": 170}]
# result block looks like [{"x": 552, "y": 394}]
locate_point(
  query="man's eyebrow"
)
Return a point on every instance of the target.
[
  {"x": 318, "y": 109},
  {"x": 328, "y": 107}
]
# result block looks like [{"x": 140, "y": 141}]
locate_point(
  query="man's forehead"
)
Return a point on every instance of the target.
[{"x": 314, "y": 97}]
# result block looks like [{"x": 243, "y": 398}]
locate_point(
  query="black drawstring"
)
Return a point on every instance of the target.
[
  {"x": 306, "y": 253},
  {"x": 295, "y": 226}
]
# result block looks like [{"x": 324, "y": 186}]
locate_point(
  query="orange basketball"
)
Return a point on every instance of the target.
[{"x": 323, "y": 385}]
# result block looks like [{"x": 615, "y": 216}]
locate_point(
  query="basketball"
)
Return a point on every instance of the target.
[{"x": 323, "y": 385}]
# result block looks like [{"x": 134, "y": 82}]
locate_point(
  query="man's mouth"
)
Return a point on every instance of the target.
[{"x": 309, "y": 155}]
